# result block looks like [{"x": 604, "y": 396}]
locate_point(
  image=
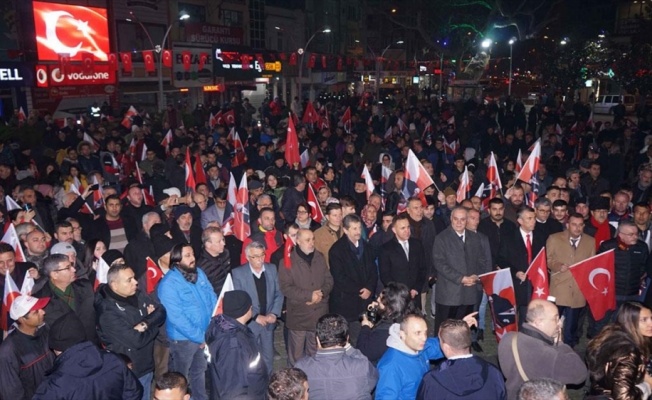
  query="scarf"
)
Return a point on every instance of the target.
[
  {"x": 369, "y": 223},
  {"x": 602, "y": 233},
  {"x": 306, "y": 257},
  {"x": 189, "y": 274}
]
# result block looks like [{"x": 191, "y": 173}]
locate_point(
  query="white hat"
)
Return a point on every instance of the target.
[
  {"x": 63, "y": 248},
  {"x": 172, "y": 191},
  {"x": 24, "y": 304}
]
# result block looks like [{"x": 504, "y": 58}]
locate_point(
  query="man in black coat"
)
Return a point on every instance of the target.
[
  {"x": 496, "y": 227},
  {"x": 545, "y": 226},
  {"x": 354, "y": 275},
  {"x": 81, "y": 370},
  {"x": 134, "y": 209},
  {"x": 186, "y": 228},
  {"x": 141, "y": 247},
  {"x": 129, "y": 321},
  {"x": 402, "y": 259},
  {"x": 67, "y": 294},
  {"x": 44, "y": 216},
  {"x": 215, "y": 260},
  {"x": 514, "y": 255}
]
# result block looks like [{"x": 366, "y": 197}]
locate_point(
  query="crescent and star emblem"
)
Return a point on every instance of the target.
[
  {"x": 51, "y": 20},
  {"x": 596, "y": 272}
]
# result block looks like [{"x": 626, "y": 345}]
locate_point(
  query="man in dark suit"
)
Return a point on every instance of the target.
[
  {"x": 185, "y": 229},
  {"x": 354, "y": 275},
  {"x": 545, "y": 226},
  {"x": 515, "y": 255},
  {"x": 402, "y": 259},
  {"x": 459, "y": 258},
  {"x": 260, "y": 280}
]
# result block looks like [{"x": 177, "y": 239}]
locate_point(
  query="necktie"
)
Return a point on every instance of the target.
[
  {"x": 407, "y": 251},
  {"x": 528, "y": 247},
  {"x": 462, "y": 238},
  {"x": 574, "y": 243}
]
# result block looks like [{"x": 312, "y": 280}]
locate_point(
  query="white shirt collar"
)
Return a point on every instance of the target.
[{"x": 257, "y": 274}]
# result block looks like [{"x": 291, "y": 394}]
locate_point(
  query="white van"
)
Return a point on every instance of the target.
[{"x": 604, "y": 104}]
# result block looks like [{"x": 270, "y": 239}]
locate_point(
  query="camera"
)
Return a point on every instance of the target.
[{"x": 372, "y": 314}]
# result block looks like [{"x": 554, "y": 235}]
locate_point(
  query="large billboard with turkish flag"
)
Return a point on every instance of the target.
[{"x": 71, "y": 30}]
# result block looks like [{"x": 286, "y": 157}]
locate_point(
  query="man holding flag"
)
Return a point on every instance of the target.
[{"x": 563, "y": 250}]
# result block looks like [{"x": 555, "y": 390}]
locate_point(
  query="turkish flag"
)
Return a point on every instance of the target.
[
  {"x": 340, "y": 64},
  {"x": 537, "y": 273},
  {"x": 187, "y": 58},
  {"x": 88, "y": 63},
  {"x": 202, "y": 60},
  {"x": 219, "y": 118},
  {"x": 64, "y": 63},
  {"x": 464, "y": 187},
  {"x": 499, "y": 288},
  {"x": 312, "y": 60},
  {"x": 292, "y": 155},
  {"x": 531, "y": 166},
  {"x": 228, "y": 286},
  {"x": 167, "y": 140},
  {"x": 200, "y": 174},
  {"x": 596, "y": 279},
  {"x": 287, "y": 251},
  {"x": 126, "y": 62},
  {"x": 190, "y": 177},
  {"x": 148, "y": 59},
  {"x": 113, "y": 61},
  {"x": 10, "y": 294},
  {"x": 323, "y": 61},
  {"x": 241, "y": 228},
  {"x": 239, "y": 155},
  {"x": 154, "y": 275},
  {"x": 102, "y": 272},
  {"x": 212, "y": 121},
  {"x": 346, "y": 120},
  {"x": 310, "y": 116},
  {"x": 229, "y": 117},
  {"x": 315, "y": 210},
  {"x": 167, "y": 58},
  {"x": 293, "y": 59},
  {"x": 11, "y": 238}
]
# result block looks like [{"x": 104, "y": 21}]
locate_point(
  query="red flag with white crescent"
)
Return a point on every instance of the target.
[
  {"x": 416, "y": 172},
  {"x": 11, "y": 238},
  {"x": 292, "y": 146},
  {"x": 315, "y": 210},
  {"x": 464, "y": 187},
  {"x": 239, "y": 155},
  {"x": 499, "y": 287},
  {"x": 126, "y": 62},
  {"x": 596, "y": 278},
  {"x": 537, "y": 273},
  {"x": 167, "y": 58},
  {"x": 241, "y": 227},
  {"x": 212, "y": 121},
  {"x": 190, "y": 177},
  {"x": 148, "y": 59},
  {"x": 346, "y": 120},
  {"x": 200, "y": 174},
  {"x": 229, "y": 117},
  {"x": 154, "y": 275},
  {"x": 10, "y": 294},
  {"x": 310, "y": 116}
]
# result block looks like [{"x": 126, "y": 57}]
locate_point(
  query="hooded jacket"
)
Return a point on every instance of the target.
[
  {"x": 117, "y": 317},
  {"x": 237, "y": 369},
  {"x": 401, "y": 368},
  {"x": 85, "y": 372},
  {"x": 470, "y": 378}
]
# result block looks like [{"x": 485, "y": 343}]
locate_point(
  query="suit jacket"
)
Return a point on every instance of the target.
[
  {"x": 513, "y": 255},
  {"x": 351, "y": 275},
  {"x": 394, "y": 266},
  {"x": 559, "y": 251},
  {"x": 210, "y": 214},
  {"x": 243, "y": 279},
  {"x": 455, "y": 259}
]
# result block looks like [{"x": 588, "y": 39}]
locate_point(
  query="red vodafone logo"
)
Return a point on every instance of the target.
[{"x": 52, "y": 75}]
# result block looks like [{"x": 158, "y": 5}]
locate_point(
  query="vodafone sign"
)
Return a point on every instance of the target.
[
  {"x": 70, "y": 29},
  {"x": 51, "y": 75}
]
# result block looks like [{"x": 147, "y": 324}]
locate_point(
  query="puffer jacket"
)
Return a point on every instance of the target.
[
  {"x": 86, "y": 372},
  {"x": 117, "y": 317},
  {"x": 630, "y": 265},
  {"x": 216, "y": 268},
  {"x": 237, "y": 368}
]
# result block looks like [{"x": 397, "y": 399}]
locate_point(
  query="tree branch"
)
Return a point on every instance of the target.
[{"x": 473, "y": 3}]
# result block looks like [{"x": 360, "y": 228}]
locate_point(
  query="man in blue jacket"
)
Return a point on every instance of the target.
[
  {"x": 189, "y": 300},
  {"x": 406, "y": 359}
]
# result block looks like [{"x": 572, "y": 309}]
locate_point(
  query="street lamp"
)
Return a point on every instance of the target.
[
  {"x": 158, "y": 49},
  {"x": 486, "y": 43},
  {"x": 511, "y": 47},
  {"x": 302, "y": 52},
  {"x": 564, "y": 41},
  {"x": 379, "y": 66}
]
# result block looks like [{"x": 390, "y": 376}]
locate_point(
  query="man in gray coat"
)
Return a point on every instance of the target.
[
  {"x": 459, "y": 258},
  {"x": 337, "y": 364},
  {"x": 260, "y": 280}
]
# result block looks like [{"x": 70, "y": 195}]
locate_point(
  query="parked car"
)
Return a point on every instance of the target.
[{"x": 604, "y": 104}]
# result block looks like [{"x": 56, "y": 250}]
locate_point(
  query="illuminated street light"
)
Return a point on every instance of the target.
[
  {"x": 486, "y": 43},
  {"x": 564, "y": 41},
  {"x": 511, "y": 47},
  {"x": 302, "y": 53}
]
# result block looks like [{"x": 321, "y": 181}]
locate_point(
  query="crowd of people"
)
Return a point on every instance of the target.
[{"x": 350, "y": 269}]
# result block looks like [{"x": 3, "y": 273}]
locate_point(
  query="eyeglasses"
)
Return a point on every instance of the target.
[
  {"x": 62, "y": 269},
  {"x": 302, "y": 212}
]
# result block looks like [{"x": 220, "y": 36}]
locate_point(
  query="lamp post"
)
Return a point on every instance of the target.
[
  {"x": 158, "y": 49},
  {"x": 302, "y": 52},
  {"x": 511, "y": 47},
  {"x": 379, "y": 67}
]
